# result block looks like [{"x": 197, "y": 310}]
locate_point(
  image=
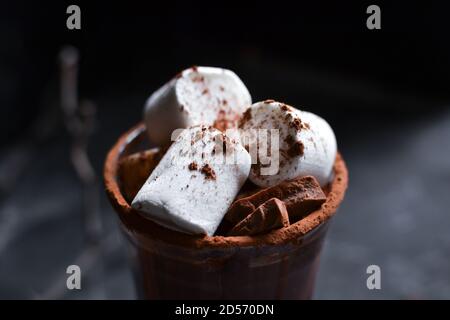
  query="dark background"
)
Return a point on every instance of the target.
[{"x": 385, "y": 92}]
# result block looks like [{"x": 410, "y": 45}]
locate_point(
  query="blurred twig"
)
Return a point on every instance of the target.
[{"x": 79, "y": 120}]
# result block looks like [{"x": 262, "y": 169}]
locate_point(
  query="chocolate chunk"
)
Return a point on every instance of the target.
[
  {"x": 301, "y": 196},
  {"x": 271, "y": 215}
]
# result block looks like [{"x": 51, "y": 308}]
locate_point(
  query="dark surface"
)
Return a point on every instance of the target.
[
  {"x": 385, "y": 93},
  {"x": 395, "y": 215}
]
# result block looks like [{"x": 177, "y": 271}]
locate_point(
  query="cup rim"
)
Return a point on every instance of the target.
[{"x": 145, "y": 229}]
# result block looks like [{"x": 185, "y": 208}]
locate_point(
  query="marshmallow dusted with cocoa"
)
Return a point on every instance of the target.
[
  {"x": 286, "y": 143},
  {"x": 196, "y": 96},
  {"x": 195, "y": 182}
]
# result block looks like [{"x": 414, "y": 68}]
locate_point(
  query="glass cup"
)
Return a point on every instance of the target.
[{"x": 172, "y": 265}]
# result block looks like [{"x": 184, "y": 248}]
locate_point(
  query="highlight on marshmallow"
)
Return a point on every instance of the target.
[
  {"x": 307, "y": 144},
  {"x": 196, "y": 96}
]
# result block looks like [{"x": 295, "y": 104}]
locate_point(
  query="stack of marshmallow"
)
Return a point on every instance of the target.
[{"x": 218, "y": 141}]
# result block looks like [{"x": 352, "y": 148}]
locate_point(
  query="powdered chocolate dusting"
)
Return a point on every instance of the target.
[
  {"x": 284, "y": 107},
  {"x": 297, "y": 124},
  {"x": 193, "y": 166},
  {"x": 209, "y": 172}
]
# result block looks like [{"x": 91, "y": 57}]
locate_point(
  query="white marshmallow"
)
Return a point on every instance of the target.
[
  {"x": 181, "y": 195},
  {"x": 307, "y": 144},
  {"x": 197, "y": 96}
]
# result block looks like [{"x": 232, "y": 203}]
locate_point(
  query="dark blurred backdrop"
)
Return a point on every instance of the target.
[
  {"x": 314, "y": 52},
  {"x": 384, "y": 91}
]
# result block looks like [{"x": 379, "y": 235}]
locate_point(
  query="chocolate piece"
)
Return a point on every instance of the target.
[
  {"x": 135, "y": 169},
  {"x": 301, "y": 196},
  {"x": 272, "y": 214},
  {"x": 247, "y": 189}
]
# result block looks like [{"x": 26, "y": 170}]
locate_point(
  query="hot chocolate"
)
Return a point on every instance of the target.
[{"x": 205, "y": 226}]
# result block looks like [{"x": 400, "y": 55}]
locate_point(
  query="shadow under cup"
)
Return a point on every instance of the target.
[{"x": 171, "y": 265}]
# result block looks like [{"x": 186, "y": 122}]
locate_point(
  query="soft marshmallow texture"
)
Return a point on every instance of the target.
[
  {"x": 194, "y": 183},
  {"x": 307, "y": 144},
  {"x": 196, "y": 96}
]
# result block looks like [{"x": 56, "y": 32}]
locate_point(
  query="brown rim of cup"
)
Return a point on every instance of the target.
[{"x": 143, "y": 228}]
